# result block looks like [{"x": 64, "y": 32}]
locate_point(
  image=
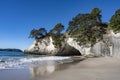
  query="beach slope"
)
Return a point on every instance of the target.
[{"x": 103, "y": 68}]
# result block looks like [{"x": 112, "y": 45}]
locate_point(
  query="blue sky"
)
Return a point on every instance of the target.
[{"x": 18, "y": 17}]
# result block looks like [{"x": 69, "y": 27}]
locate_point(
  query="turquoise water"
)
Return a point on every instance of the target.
[{"x": 18, "y": 60}]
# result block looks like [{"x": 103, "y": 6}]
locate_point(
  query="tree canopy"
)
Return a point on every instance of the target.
[
  {"x": 96, "y": 14},
  {"x": 37, "y": 34},
  {"x": 87, "y": 28},
  {"x": 58, "y": 28},
  {"x": 115, "y": 21}
]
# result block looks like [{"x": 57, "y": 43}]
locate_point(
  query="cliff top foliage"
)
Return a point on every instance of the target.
[
  {"x": 86, "y": 28},
  {"x": 55, "y": 33},
  {"x": 115, "y": 21}
]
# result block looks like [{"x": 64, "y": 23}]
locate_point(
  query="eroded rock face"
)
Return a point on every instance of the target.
[
  {"x": 100, "y": 49},
  {"x": 68, "y": 50},
  {"x": 84, "y": 50},
  {"x": 42, "y": 47},
  {"x": 116, "y": 46},
  {"x": 114, "y": 39},
  {"x": 46, "y": 47},
  {"x": 110, "y": 46}
]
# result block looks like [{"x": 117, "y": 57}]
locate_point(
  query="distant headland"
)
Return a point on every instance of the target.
[{"x": 11, "y": 49}]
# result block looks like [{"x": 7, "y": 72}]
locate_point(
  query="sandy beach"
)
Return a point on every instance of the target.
[{"x": 103, "y": 68}]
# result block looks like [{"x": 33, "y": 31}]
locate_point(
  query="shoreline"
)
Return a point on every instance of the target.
[{"x": 100, "y": 68}]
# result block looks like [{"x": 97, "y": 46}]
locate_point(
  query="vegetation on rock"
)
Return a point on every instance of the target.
[
  {"x": 86, "y": 28},
  {"x": 57, "y": 29},
  {"x": 115, "y": 21},
  {"x": 37, "y": 34},
  {"x": 57, "y": 35}
]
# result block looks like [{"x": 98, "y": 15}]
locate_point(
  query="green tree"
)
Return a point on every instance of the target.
[
  {"x": 57, "y": 29},
  {"x": 57, "y": 35},
  {"x": 37, "y": 34},
  {"x": 77, "y": 22},
  {"x": 115, "y": 21},
  {"x": 87, "y": 28},
  {"x": 96, "y": 13}
]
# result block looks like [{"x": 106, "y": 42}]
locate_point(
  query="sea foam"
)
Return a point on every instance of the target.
[{"x": 16, "y": 63}]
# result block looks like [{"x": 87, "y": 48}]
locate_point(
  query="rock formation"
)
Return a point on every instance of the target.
[
  {"x": 42, "y": 47},
  {"x": 45, "y": 46},
  {"x": 109, "y": 46}
]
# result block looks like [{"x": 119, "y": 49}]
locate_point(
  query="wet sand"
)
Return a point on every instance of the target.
[{"x": 103, "y": 68}]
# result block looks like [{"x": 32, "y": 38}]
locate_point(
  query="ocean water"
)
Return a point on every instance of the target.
[{"x": 18, "y": 60}]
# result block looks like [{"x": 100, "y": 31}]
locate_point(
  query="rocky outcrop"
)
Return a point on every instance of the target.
[
  {"x": 100, "y": 49},
  {"x": 42, "y": 47},
  {"x": 84, "y": 50},
  {"x": 45, "y": 47},
  {"x": 114, "y": 43},
  {"x": 109, "y": 46}
]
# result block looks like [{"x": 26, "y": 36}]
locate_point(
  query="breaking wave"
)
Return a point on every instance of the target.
[{"x": 16, "y": 63}]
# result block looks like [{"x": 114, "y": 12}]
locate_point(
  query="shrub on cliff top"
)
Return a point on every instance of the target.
[{"x": 115, "y": 21}]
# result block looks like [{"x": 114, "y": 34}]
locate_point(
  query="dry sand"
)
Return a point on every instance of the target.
[{"x": 103, "y": 68}]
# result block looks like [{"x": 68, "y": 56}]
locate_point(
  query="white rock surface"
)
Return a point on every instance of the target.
[
  {"x": 82, "y": 49},
  {"x": 44, "y": 46}
]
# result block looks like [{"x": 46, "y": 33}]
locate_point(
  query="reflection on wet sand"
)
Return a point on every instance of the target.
[
  {"x": 46, "y": 69},
  {"x": 42, "y": 72}
]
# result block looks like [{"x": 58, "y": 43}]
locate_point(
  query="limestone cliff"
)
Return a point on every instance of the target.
[
  {"x": 45, "y": 46},
  {"x": 113, "y": 40},
  {"x": 109, "y": 46}
]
